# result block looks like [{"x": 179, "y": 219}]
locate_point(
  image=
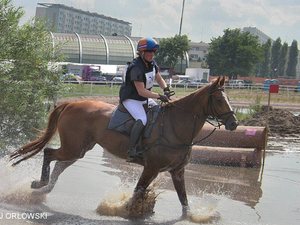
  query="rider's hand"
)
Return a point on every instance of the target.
[
  {"x": 168, "y": 92},
  {"x": 167, "y": 88},
  {"x": 163, "y": 98}
]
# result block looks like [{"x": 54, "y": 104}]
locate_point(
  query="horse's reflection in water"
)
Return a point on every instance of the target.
[{"x": 83, "y": 124}]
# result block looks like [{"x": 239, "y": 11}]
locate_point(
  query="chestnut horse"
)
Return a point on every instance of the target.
[{"x": 83, "y": 124}]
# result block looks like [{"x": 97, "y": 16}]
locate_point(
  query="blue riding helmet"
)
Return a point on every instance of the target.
[{"x": 147, "y": 44}]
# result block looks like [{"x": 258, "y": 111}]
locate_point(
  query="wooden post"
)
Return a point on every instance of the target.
[
  {"x": 268, "y": 109},
  {"x": 273, "y": 88}
]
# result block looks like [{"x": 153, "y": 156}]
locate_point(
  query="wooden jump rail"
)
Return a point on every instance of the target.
[{"x": 243, "y": 147}]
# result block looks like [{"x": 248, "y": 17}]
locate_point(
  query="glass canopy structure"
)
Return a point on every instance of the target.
[{"x": 99, "y": 49}]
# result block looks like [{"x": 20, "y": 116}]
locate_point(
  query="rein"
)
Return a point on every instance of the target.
[
  {"x": 213, "y": 116},
  {"x": 196, "y": 117}
]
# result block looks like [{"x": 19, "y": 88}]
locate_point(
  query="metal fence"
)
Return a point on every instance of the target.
[{"x": 110, "y": 88}]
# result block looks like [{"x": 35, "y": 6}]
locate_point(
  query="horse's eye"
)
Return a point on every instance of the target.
[{"x": 219, "y": 98}]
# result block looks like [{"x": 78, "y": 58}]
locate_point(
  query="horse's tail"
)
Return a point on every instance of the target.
[{"x": 37, "y": 145}]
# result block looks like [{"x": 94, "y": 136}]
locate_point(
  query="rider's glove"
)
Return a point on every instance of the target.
[
  {"x": 168, "y": 92},
  {"x": 163, "y": 98}
]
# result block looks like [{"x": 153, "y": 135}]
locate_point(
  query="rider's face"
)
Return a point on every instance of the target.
[{"x": 149, "y": 55}]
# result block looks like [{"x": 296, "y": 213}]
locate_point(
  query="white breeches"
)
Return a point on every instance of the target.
[{"x": 136, "y": 109}]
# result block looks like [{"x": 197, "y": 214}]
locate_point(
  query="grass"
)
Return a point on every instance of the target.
[
  {"x": 76, "y": 90},
  {"x": 245, "y": 114},
  {"x": 251, "y": 96}
]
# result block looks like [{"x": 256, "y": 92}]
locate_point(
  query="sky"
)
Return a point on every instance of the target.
[{"x": 203, "y": 20}]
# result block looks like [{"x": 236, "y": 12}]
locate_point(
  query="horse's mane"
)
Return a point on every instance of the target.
[{"x": 186, "y": 100}]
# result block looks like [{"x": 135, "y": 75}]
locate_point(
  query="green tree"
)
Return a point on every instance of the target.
[
  {"x": 27, "y": 79},
  {"x": 282, "y": 59},
  {"x": 171, "y": 50},
  {"x": 264, "y": 70},
  {"x": 235, "y": 53},
  {"x": 275, "y": 52},
  {"x": 293, "y": 59}
]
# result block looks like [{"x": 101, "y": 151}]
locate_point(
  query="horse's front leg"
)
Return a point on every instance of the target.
[
  {"x": 179, "y": 184},
  {"x": 136, "y": 203},
  {"x": 148, "y": 175}
]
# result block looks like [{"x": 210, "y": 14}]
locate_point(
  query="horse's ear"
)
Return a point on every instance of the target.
[
  {"x": 222, "y": 81},
  {"x": 216, "y": 82}
]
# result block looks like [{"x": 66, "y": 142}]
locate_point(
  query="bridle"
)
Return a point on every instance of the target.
[{"x": 212, "y": 115}]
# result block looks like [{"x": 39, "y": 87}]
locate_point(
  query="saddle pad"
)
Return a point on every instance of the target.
[{"x": 122, "y": 121}]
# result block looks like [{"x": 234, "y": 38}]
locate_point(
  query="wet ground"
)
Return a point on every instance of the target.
[{"x": 226, "y": 195}]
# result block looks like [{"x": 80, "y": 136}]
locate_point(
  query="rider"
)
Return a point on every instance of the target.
[{"x": 136, "y": 90}]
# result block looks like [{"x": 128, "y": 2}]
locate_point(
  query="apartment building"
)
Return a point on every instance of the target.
[
  {"x": 262, "y": 37},
  {"x": 64, "y": 19}
]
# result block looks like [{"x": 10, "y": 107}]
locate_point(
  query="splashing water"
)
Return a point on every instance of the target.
[
  {"x": 203, "y": 211},
  {"x": 123, "y": 205},
  {"x": 15, "y": 185},
  {"x": 114, "y": 205},
  {"x": 22, "y": 195}
]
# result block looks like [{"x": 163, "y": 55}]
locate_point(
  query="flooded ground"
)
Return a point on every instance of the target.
[{"x": 234, "y": 196}]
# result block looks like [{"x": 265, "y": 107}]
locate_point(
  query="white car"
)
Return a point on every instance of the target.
[
  {"x": 117, "y": 80},
  {"x": 236, "y": 83}
]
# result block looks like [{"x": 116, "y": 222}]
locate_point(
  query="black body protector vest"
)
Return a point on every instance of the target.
[{"x": 137, "y": 71}]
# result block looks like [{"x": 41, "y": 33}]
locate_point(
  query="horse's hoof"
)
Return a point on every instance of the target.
[
  {"x": 185, "y": 212},
  {"x": 37, "y": 184},
  {"x": 43, "y": 190},
  {"x": 37, "y": 192}
]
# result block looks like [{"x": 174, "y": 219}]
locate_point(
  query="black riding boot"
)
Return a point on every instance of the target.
[{"x": 134, "y": 137}]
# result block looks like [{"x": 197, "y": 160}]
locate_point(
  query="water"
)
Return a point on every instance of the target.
[{"x": 217, "y": 195}]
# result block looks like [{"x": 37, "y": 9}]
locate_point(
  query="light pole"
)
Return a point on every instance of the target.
[
  {"x": 180, "y": 30},
  {"x": 181, "y": 17}
]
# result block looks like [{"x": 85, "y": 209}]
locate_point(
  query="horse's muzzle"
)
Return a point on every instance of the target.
[{"x": 231, "y": 123}]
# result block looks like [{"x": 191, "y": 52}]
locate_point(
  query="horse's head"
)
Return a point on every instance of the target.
[{"x": 219, "y": 107}]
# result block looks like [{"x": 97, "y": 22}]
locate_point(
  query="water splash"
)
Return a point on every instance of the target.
[
  {"x": 114, "y": 205},
  {"x": 124, "y": 205},
  {"x": 22, "y": 195},
  {"x": 203, "y": 210},
  {"x": 15, "y": 184}
]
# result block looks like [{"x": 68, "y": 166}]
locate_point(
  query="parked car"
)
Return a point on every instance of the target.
[
  {"x": 98, "y": 78},
  {"x": 297, "y": 89},
  {"x": 204, "y": 81},
  {"x": 268, "y": 82},
  {"x": 236, "y": 83},
  {"x": 117, "y": 80},
  {"x": 197, "y": 83},
  {"x": 181, "y": 83},
  {"x": 70, "y": 78},
  {"x": 248, "y": 83}
]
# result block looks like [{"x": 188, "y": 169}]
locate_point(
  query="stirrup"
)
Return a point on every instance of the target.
[
  {"x": 130, "y": 159},
  {"x": 133, "y": 158},
  {"x": 131, "y": 154}
]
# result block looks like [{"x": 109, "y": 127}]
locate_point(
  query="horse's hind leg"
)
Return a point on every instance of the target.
[
  {"x": 48, "y": 157},
  {"x": 59, "y": 167}
]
